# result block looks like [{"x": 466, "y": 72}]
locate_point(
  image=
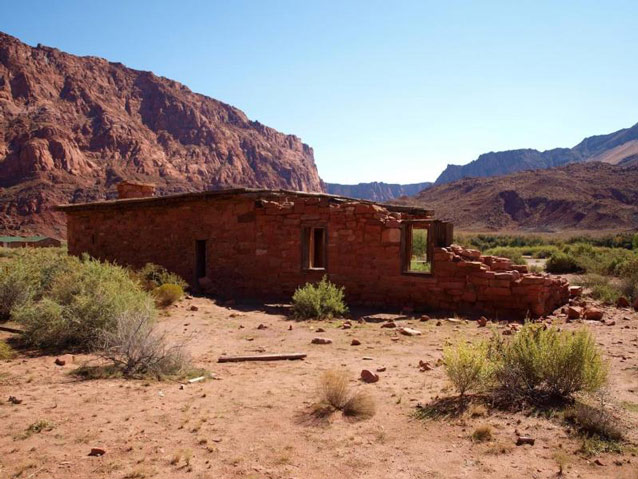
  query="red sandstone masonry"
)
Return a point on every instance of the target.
[{"x": 254, "y": 251}]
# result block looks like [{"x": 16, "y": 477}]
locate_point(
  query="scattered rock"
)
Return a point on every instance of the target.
[
  {"x": 368, "y": 376},
  {"x": 290, "y": 327},
  {"x": 410, "y": 332},
  {"x": 262, "y": 326},
  {"x": 321, "y": 341},
  {"x": 59, "y": 362},
  {"x": 482, "y": 322},
  {"x": 194, "y": 308},
  {"x": 355, "y": 342},
  {"x": 622, "y": 302},
  {"x": 389, "y": 324},
  {"x": 425, "y": 317},
  {"x": 15, "y": 400},
  {"x": 367, "y": 358},
  {"x": 97, "y": 451},
  {"x": 521, "y": 440},
  {"x": 610, "y": 323},
  {"x": 320, "y": 330},
  {"x": 439, "y": 323},
  {"x": 381, "y": 369},
  {"x": 424, "y": 366},
  {"x": 574, "y": 312},
  {"x": 598, "y": 462},
  {"x": 346, "y": 325},
  {"x": 593, "y": 314},
  {"x": 575, "y": 291}
]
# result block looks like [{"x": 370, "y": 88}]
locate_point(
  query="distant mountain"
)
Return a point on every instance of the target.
[
  {"x": 376, "y": 191},
  {"x": 579, "y": 196},
  {"x": 612, "y": 148},
  {"x": 72, "y": 127}
]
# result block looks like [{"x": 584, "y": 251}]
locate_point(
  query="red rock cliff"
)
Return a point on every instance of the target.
[{"x": 72, "y": 127}]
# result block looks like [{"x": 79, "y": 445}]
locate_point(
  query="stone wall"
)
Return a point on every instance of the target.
[{"x": 254, "y": 251}]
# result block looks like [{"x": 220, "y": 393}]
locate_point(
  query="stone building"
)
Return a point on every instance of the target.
[{"x": 250, "y": 244}]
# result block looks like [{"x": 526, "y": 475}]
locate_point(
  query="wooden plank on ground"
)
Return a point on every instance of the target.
[{"x": 261, "y": 357}]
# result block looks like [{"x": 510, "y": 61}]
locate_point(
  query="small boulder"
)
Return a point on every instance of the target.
[
  {"x": 59, "y": 362},
  {"x": 355, "y": 342},
  {"x": 424, "y": 366},
  {"x": 346, "y": 325},
  {"x": 320, "y": 330},
  {"x": 389, "y": 324},
  {"x": 97, "y": 451},
  {"x": 321, "y": 341},
  {"x": 622, "y": 302},
  {"x": 262, "y": 326},
  {"x": 368, "y": 376},
  {"x": 575, "y": 291},
  {"x": 574, "y": 312},
  {"x": 14, "y": 400},
  {"x": 593, "y": 314},
  {"x": 482, "y": 322},
  {"x": 522, "y": 440},
  {"x": 381, "y": 369},
  {"x": 439, "y": 323},
  {"x": 424, "y": 318},
  {"x": 194, "y": 308},
  {"x": 410, "y": 332}
]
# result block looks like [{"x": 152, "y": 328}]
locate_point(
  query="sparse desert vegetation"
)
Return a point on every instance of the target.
[
  {"x": 322, "y": 300},
  {"x": 565, "y": 390}
]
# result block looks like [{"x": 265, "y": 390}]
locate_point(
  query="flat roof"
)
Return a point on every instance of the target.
[{"x": 220, "y": 194}]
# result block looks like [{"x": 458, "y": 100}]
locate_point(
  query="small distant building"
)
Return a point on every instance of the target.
[
  {"x": 28, "y": 242},
  {"x": 255, "y": 244}
]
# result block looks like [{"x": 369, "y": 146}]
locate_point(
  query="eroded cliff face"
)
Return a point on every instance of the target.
[{"x": 72, "y": 127}]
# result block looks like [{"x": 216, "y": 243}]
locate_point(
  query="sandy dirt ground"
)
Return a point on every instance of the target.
[{"x": 247, "y": 423}]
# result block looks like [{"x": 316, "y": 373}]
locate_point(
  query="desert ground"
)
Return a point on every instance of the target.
[{"x": 250, "y": 419}]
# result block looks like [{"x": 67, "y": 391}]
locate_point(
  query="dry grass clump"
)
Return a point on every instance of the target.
[
  {"x": 167, "y": 294},
  {"x": 482, "y": 433},
  {"x": 6, "y": 351},
  {"x": 467, "y": 366},
  {"x": 335, "y": 394}
]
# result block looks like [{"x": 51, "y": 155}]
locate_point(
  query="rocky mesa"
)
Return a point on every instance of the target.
[{"x": 72, "y": 127}]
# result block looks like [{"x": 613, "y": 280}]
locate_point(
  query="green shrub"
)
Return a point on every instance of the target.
[
  {"x": 320, "y": 300},
  {"x": 513, "y": 254},
  {"x": 28, "y": 274},
  {"x": 545, "y": 363},
  {"x": 78, "y": 305},
  {"x": 6, "y": 352},
  {"x": 152, "y": 276},
  {"x": 605, "y": 288},
  {"x": 167, "y": 294},
  {"x": 562, "y": 263},
  {"x": 467, "y": 366}
]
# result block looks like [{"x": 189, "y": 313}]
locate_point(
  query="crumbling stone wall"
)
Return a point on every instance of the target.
[{"x": 254, "y": 252}]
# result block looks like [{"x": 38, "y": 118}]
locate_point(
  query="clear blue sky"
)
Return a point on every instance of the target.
[{"x": 382, "y": 90}]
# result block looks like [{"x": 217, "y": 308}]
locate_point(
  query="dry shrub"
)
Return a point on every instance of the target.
[
  {"x": 335, "y": 394},
  {"x": 6, "y": 352},
  {"x": 360, "y": 406},
  {"x": 595, "y": 420},
  {"x": 482, "y": 433},
  {"x": 167, "y": 294},
  {"x": 136, "y": 347}
]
